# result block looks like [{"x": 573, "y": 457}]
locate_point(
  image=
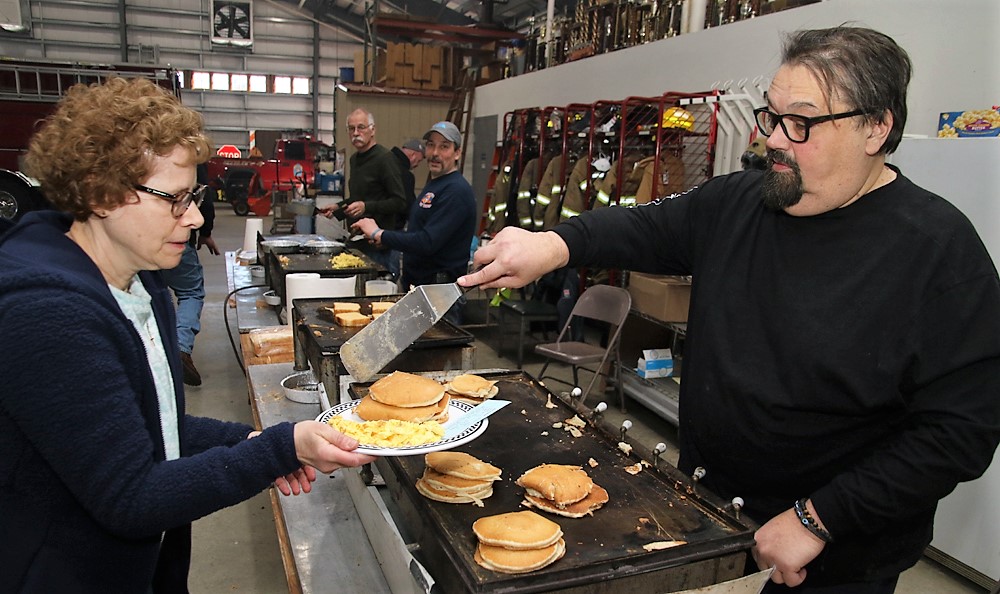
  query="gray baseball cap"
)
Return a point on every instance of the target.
[
  {"x": 415, "y": 145},
  {"x": 448, "y": 130}
]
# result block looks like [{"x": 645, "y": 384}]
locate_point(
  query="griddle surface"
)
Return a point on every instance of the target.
[
  {"x": 329, "y": 336},
  {"x": 643, "y": 508}
]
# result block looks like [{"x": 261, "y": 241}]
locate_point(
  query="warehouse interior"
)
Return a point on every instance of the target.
[{"x": 526, "y": 81}]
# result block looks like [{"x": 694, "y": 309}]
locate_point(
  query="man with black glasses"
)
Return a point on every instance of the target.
[{"x": 843, "y": 357}]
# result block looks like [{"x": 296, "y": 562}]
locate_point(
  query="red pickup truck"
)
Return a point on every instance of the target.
[
  {"x": 247, "y": 182},
  {"x": 29, "y": 91}
]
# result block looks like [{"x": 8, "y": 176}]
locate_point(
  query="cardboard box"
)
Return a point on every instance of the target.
[
  {"x": 665, "y": 298},
  {"x": 655, "y": 363},
  {"x": 974, "y": 123}
]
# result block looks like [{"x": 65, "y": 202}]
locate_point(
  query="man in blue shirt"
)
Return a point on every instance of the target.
[{"x": 439, "y": 231}]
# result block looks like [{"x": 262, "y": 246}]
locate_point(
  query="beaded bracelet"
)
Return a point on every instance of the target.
[{"x": 809, "y": 522}]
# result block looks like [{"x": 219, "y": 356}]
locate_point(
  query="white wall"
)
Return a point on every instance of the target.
[{"x": 954, "y": 46}]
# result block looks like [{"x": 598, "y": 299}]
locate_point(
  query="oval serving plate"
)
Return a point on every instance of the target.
[{"x": 455, "y": 412}]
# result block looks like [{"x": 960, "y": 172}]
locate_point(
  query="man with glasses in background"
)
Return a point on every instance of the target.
[
  {"x": 842, "y": 364},
  {"x": 375, "y": 188}
]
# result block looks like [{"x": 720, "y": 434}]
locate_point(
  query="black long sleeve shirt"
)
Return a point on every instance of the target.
[{"x": 852, "y": 357}]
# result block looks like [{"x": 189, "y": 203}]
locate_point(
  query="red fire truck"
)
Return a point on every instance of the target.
[
  {"x": 249, "y": 183},
  {"x": 29, "y": 91}
]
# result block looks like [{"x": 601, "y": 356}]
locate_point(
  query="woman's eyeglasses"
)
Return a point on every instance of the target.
[{"x": 180, "y": 201}]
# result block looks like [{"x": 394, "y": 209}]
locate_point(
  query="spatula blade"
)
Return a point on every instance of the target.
[{"x": 377, "y": 344}]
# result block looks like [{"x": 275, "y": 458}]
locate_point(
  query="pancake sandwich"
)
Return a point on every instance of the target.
[{"x": 563, "y": 490}]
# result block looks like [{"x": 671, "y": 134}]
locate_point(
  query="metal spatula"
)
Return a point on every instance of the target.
[{"x": 377, "y": 344}]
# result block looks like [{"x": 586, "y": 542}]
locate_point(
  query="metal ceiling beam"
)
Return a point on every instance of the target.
[
  {"x": 442, "y": 32},
  {"x": 431, "y": 10}
]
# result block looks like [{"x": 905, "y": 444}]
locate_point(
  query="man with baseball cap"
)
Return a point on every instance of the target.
[
  {"x": 408, "y": 156},
  {"x": 439, "y": 231}
]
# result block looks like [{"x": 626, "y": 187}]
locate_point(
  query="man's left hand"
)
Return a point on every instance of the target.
[
  {"x": 784, "y": 544},
  {"x": 209, "y": 243},
  {"x": 355, "y": 209},
  {"x": 366, "y": 227}
]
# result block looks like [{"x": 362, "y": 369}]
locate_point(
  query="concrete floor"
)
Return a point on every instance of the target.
[{"x": 236, "y": 549}]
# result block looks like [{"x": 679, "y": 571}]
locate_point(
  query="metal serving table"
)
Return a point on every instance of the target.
[
  {"x": 248, "y": 315},
  {"x": 318, "y": 532}
]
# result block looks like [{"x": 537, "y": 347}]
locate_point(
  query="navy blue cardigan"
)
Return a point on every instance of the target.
[{"x": 85, "y": 492}]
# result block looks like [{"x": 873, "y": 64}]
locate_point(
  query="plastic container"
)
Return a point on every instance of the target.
[{"x": 380, "y": 287}]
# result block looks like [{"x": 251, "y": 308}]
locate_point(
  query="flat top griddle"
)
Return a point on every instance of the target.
[
  {"x": 330, "y": 336},
  {"x": 658, "y": 504},
  {"x": 321, "y": 263}
]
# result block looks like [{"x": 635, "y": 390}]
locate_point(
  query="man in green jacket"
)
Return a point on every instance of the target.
[{"x": 375, "y": 186}]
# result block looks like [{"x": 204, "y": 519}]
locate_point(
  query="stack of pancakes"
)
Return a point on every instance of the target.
[
  {"x": 562, "y": 489},
  {"x": 518, "y": 542},
  {"x": 455, "y": 477},
  {"x": 471, "y": 388},
  {"x": 404, "y": 397}
]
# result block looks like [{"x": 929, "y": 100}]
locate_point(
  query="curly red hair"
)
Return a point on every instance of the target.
[{"x": 100, "y": 141}]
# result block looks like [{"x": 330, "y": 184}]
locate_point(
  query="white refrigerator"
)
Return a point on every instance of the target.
[{"x": 966, "y": 172}]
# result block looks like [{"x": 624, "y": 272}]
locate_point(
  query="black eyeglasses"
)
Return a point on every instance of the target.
[
  {"x": 180, "y": 201},
  {"x": 796, "y": 127},
  {"x": 358, "y": 128}
]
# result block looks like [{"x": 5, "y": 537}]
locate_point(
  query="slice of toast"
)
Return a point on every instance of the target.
[
  {"x": 352, "y": 319},
  {"x": 379, "y": 307},
  {"x": 345, "y": 307}
]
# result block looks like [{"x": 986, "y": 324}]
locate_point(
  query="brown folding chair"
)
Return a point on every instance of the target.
[{"x": 603, "y": 303}]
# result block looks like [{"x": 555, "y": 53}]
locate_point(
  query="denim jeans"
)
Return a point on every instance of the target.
[
  {"x": 388, "y": 259},
  {"x": 187, "y": 281}
]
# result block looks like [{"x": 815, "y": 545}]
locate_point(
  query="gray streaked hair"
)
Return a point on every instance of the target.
[
  {"x": 864, "y": 68},
  {"x": 371, "y": 118}
]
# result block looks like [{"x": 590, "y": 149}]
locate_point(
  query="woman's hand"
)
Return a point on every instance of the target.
[
  {"x": 326, "y": 449},
  {"x": 297, "y": 482}
]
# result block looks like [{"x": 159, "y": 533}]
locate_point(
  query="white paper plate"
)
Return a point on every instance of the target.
[{"x": 455, "y": 412}]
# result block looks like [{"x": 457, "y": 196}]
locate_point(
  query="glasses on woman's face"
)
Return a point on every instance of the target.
[
  {"x": 180, "y": 201},
  {"x": 796, "y": 127}
]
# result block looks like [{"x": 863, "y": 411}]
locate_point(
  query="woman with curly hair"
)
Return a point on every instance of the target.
[{"x": 101, "y": 471}]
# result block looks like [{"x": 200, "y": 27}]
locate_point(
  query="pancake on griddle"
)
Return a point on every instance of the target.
[
  {"x": 517, "y": 530},
  {"x": 472, "y": 388},
  {"x": 517, "y": 542},
  {"x": 462, "y": 465},
  {"x": 518, "y": 561},
  {"x": 454, "y": 477},
  {"x": 561, "y": 484},
  {"x": 585, "y": 507},
  {"x": 448, "y": 496}
]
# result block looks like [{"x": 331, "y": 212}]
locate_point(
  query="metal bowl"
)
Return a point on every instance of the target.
[
  {"x": 257, "y": 271},
  {"x": 320, "y": 246},
  {"x": 272, "y": 298},
  {"x": 280, "y": 246},
  {"x": 301, "y": 387}
]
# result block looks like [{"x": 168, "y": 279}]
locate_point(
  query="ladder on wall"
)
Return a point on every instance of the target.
[{"x": 460, "y": 109}]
